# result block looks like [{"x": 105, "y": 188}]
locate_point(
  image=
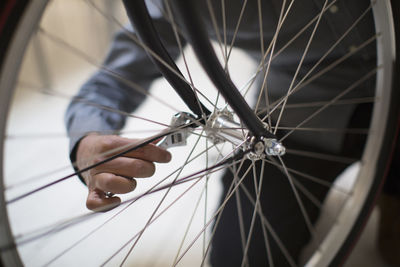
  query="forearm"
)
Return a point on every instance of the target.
[
  {"x": 104, "y": 100},
  {"x": 100, "y": 108}
]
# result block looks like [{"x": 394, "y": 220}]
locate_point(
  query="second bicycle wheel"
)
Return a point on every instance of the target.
[{"x": 321, "y": 82}]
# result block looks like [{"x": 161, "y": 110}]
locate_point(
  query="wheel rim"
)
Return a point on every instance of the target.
[{"x": 385, "y": 52}]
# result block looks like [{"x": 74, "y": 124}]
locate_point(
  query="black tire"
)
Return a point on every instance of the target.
[{"x": 14, "y": 17}]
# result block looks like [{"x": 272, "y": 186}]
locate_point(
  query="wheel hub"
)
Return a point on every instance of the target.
[{"x": 221, "y": 127}]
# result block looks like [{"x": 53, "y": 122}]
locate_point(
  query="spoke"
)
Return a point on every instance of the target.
[
  {"x": 157, "y": 208},
  {"x": 142, "y": 45},
  {"x": 235, "y": 171},
  {"x": 224, "y": 29},
  {"x": 55, "y": 93},
  {"x": 298, "y": 87},
  {"x": 307, "y": 193},
  {"x": 189, "y": 224},
  {"x": 109, "y": 155},
  {"x": 346, "y": 91},
  {"x": 323, "y": 156},
  {"x": 253, "y": 78},
  {"x": 204, "y": 191},
  {"x": 70, "y": 222},
  {"x": 205, "y": 202},
  {"x": 38, "y": 177},
  {"x": 300, "y": 65},
  {"x": 60, "y": 95},
  {"x": 84, "y": 217},
  {"x": 178, "y": 40},
  {"x": 257, "y": 204},
  {"x": 62, "y": 135},
  {"x": 314, "y": 179},
  {"x": 197, "y": 134},
  {"x": 181, "y": 32},
  {"x": 267, "y": 68},
  {"x": 240, "y": 214},
  {"x": 265, "y": 234},
  {"x": 131, "y": 147},
  {"x": 35, "y": 178},
  {"x": 329, "y": 130},
  {"x": 137, "y": 235},
  {"x": 122, "y": 210},
  {"x": 235, "y": 182},
  {"x": 136, "y": 87},
  {"x": 274, "y": 235},
  {"x": 340, "y": 39},
  {"x": 321, "y": 59},
  {"x": 299, "y": 185},
  {"x": 302, "y": 30},
  {"x": 63, "y": 225},
  {"x": 349, "y": 101},
  {"x": 266, "y": 241},
  {"x": 260, "y": 24},
  {"x": 197, "y": 176},
  {"x": 299, "y": 201},
  {"x": 211, "y": 11},
  {"x": 264, "y": 86},
  {"x": 216, "y": 213},
  {"x": 246, "y": 87},
  {"x": 168, "y": 187},
  {"x": 236, "y": 29}
]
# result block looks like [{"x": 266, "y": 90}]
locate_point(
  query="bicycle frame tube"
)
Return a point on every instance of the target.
[
  {"x": 141, "y": 20},
  {"x": 198, "y": 37}
]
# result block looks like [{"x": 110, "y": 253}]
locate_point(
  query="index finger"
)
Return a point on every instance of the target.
[{"x": 149, "y": 152}]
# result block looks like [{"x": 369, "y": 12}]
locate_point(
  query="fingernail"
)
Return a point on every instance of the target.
[{"x": 168, "y": 157}]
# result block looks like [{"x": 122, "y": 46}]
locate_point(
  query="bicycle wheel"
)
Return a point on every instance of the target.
[{"x": 364, "y": 124}]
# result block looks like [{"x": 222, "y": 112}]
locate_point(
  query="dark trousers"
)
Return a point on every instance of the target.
[
  {"x": 279, "y": 204},
  {"x": 278, "y": 200}
]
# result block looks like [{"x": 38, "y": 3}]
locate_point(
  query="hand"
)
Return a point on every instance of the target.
[{"x": 116, "y": 176}]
